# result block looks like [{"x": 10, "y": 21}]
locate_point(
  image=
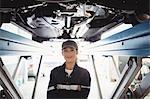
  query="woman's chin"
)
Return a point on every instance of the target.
[{"x": 70, "y": 61}]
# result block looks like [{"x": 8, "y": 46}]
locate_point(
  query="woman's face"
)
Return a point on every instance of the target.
[{"x": 70, "y": 54}]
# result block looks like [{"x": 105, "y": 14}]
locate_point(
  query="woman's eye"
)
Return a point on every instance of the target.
[
  {"x": 72, "y": 49},
  {"x": 65, "y": 51},
  {"x": 69, "y": 50}
]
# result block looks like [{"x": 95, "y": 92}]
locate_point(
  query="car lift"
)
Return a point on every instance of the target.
[
  {"x": 12, "y": 44},
  {"x": 133, "y": 42}
]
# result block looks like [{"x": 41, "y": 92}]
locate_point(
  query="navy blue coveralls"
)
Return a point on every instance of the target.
[{"x": 75, "y": 86}]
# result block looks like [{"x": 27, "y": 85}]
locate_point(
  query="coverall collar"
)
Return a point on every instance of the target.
[{"x": 75, "y": 66}]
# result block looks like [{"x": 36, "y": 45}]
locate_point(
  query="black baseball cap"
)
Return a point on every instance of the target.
[{"x": 69, "y": 43}]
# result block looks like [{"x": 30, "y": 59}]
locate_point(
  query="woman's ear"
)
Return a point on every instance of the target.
[
  {"x": 62, "y": 52},
  {"x": 77, "y": 51}
]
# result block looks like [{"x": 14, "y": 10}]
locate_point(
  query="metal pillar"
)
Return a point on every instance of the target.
[{"x": 8, "y": 84}]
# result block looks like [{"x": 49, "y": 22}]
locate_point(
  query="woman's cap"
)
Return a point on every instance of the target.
[{"x": 70, "y": 43}]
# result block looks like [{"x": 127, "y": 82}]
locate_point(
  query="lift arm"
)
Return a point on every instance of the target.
[
  {"x": 12, "y": 44},
  {"x": 133, "y": 42}
]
